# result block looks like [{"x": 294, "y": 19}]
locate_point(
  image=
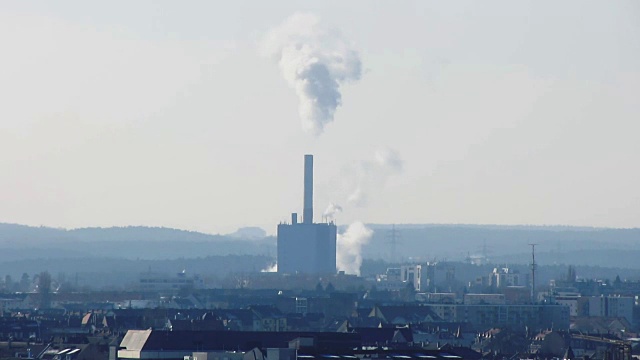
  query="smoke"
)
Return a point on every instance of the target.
[
  {"x": 315, "y": 61},
  {"x": 389, "y": 160},
  {"x": 370, "y": 178},
  {"x": 349, "y": 246},
  {"x": 357, "y": 197},
  {"x": 272, "y": 268},
  {"x": 371, "y": 175},
  {"x": 331, "y": 212}
]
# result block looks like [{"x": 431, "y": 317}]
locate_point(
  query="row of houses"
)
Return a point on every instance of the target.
[
  {"x": 230, "y": 345},
  {"x": 272, "y": 318},
  {"x": 397, "y": 343}
]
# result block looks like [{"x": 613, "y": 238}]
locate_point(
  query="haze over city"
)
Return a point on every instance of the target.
[
  {"x": 286, "y": 180},
  {"x": 189, "y": 115}
]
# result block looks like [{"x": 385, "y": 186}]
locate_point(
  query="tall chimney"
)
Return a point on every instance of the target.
[{"x": 307, "y": 213}]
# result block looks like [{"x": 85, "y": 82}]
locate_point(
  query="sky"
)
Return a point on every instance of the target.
[{"x": 165, "y": 113}]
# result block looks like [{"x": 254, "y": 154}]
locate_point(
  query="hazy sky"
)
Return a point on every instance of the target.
[{"x": 169, "y": 114}]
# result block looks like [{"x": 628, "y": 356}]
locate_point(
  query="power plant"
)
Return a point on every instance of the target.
[{"x": 307, "y": 247}]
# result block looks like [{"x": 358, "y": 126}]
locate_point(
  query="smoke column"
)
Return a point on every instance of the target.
[
  {"x": 349, "y": 244},
  {"x": 271, "y": 268},
  {"x": 315, "y": 62},
  {"x": 371, "y": 175},
  {"x": 331, "y": 212}
]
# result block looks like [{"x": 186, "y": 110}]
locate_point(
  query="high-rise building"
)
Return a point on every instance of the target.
[{"x": 307, "y": 247}]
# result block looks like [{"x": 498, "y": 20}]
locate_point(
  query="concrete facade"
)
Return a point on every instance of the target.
[
  {"x": 612, "y": 306},
  {"x": 307, "y": 247}
]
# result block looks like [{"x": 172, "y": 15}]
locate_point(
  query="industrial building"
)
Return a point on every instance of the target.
[{"x": 307, "y": 247}]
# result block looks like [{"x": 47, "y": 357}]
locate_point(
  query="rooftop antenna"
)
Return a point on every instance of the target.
[{"x": 533, "y": 273}]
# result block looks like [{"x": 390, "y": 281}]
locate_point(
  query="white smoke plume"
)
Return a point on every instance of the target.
[
  {"x": 370, "y": 178},
  {"x": 272, "y": 268},
  {"x": 315, "y": 61},
  {"x": 349, "y": 246},
  {"x": 331, "y": 212},
  {"x": 371, "y": 175}
]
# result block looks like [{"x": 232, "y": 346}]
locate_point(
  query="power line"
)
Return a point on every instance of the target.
[{"x": 393, "y": 238}]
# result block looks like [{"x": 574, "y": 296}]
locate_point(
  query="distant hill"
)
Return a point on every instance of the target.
[
  {"x": 19, "y": 242},
  {"x": 496, "y": 242},
  {"x": 20, "y": 234},
  {"x": 112, "y": 256},
  {"x": 99, "y": 272},
  {"x": 413, "y": 242},
  {"x": 14, "y": 232}
]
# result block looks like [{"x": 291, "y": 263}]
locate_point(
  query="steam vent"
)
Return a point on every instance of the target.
[{"x": 305, "y": 247}]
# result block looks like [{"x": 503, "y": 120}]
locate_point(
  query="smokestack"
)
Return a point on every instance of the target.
[{"x": 307, "y": 213}]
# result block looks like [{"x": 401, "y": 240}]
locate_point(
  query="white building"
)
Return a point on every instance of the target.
[
  {"x": 569, "y": 299},
  {"x": 503, "y": 277},
  {"x": 400, "y": 278},
  {"x": 411, "y": 275}
]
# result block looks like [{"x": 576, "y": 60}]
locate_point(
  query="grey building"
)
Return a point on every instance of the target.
[
  {"x": 535, "y": 316},
  {"x": 307, "y": 247}
]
